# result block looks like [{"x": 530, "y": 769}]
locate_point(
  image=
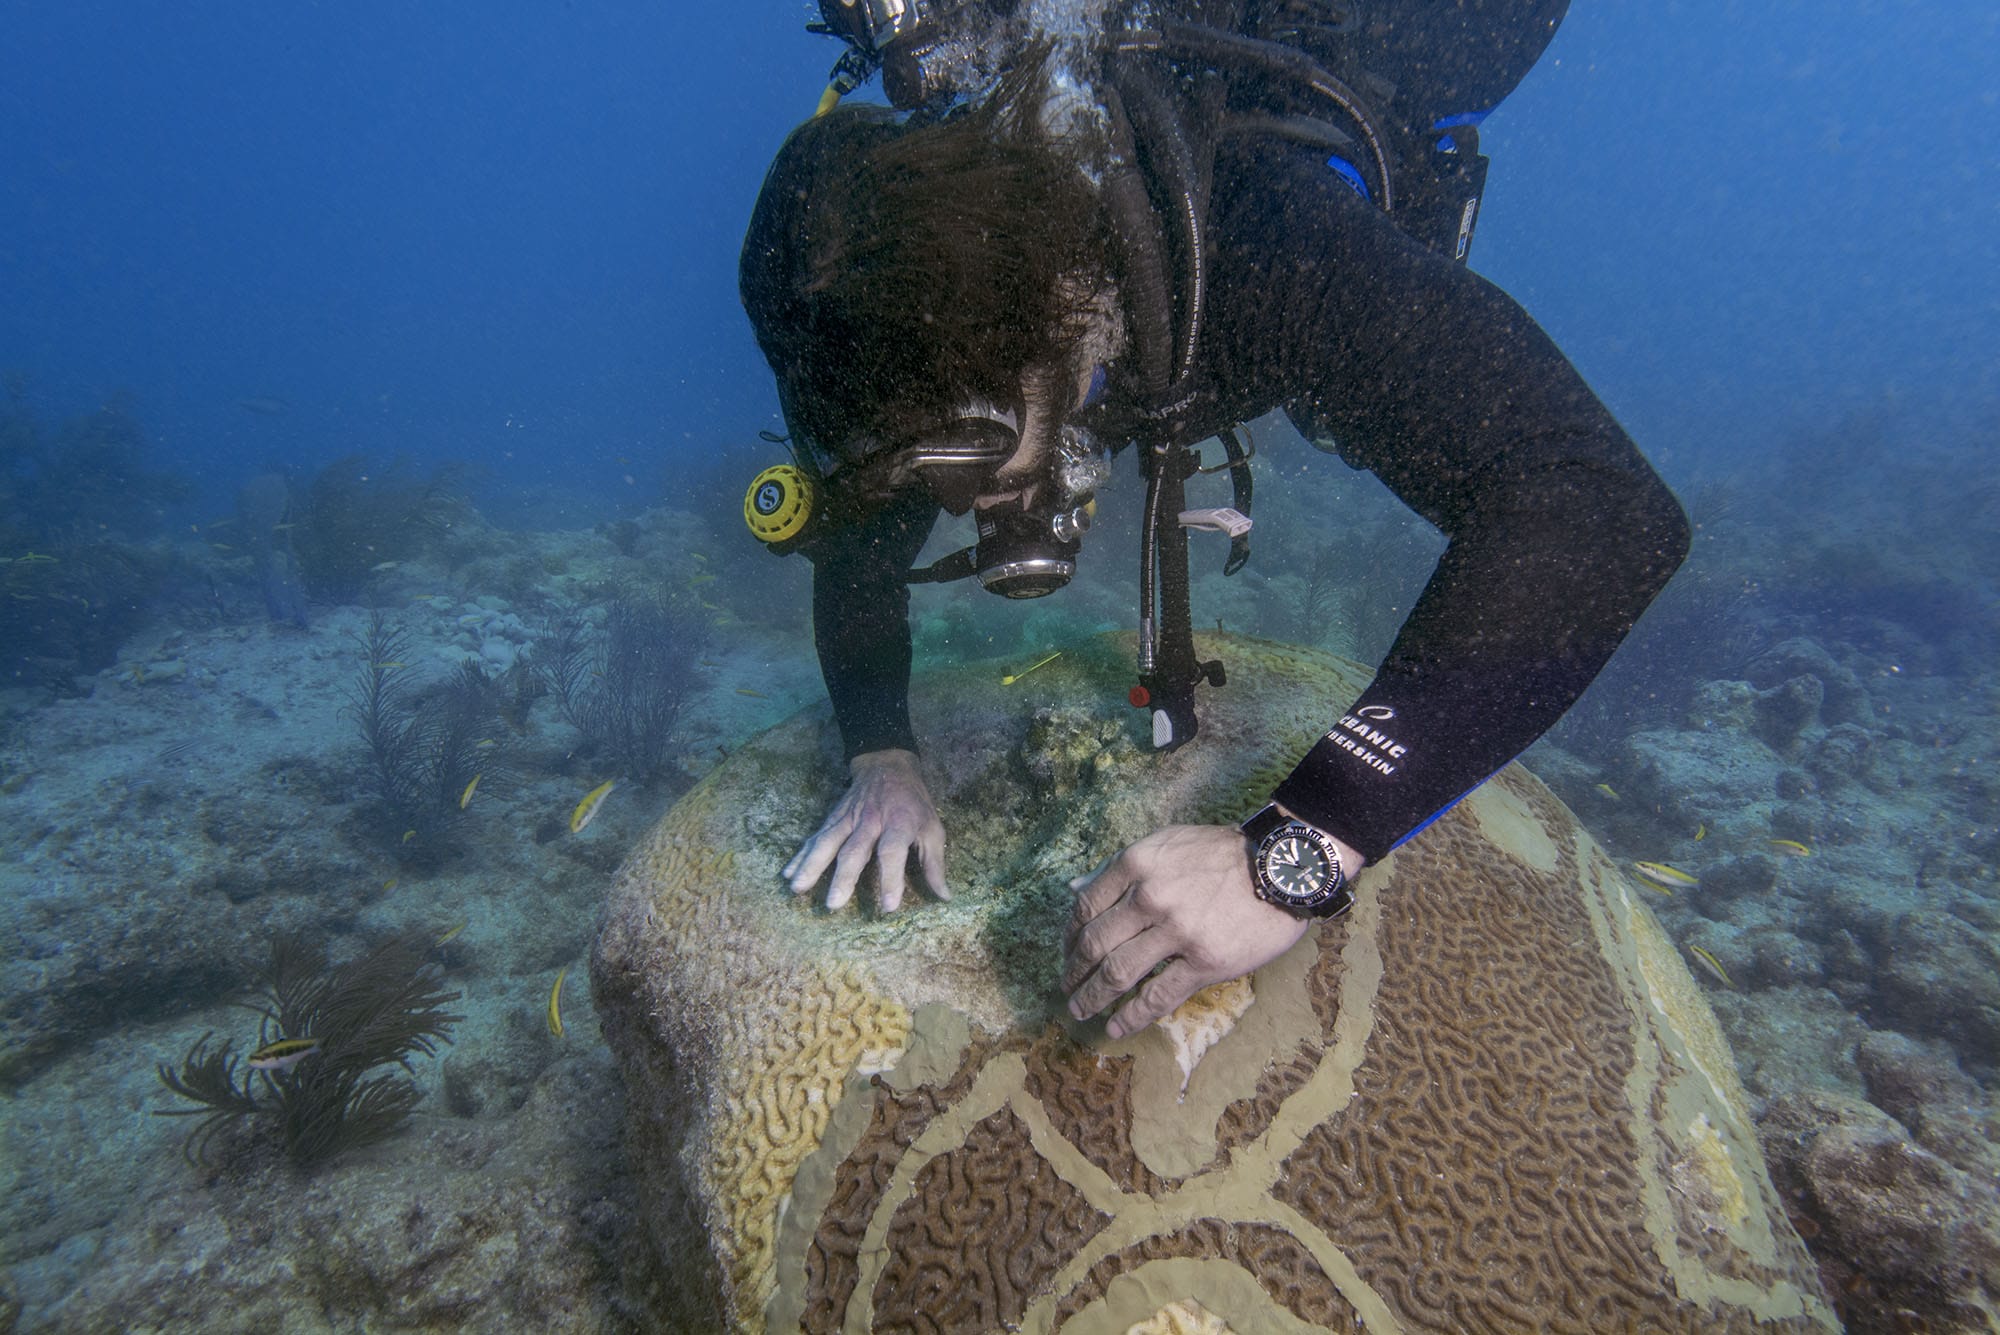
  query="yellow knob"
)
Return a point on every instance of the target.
[{"x": 778, "y": 504}]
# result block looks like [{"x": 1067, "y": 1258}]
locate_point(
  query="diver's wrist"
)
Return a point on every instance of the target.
[
  {"x": 1351, "y": 859},
  {"x": 1295, "y": 865},
  {"x": 881, "y": 758}
]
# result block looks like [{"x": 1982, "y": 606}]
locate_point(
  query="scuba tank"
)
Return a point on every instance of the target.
[{"x": 1429, "y": 73}]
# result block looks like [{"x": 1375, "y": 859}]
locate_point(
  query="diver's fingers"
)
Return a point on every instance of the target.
[
  {"x": 930, "y": 856},
  {"x": 1120, "y": 972},
  {"x": 1163, "y": 992},
  {"x": 1097, "y": 892},
  {"x": 1097, "y": 939},
  {"x": 849, "y": 863},
  {"x": 892, "y": 860},
  {"x": 817, "y": 853}
]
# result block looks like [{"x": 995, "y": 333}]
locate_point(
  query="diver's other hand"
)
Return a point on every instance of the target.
[
  {"x": 1180, "y": 895},
  {"x": 885, "y": 812}
]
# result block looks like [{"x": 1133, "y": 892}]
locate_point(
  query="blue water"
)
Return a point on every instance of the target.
[{"x": 507, "y": 233}]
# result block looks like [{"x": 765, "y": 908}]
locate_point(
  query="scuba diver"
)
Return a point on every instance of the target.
[{"x": 1083, "y": 228}]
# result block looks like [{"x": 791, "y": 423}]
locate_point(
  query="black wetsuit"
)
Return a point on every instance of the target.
[{"x": 1437, "y": 382}]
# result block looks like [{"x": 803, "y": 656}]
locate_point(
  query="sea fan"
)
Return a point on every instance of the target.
[{"x": 375, "y": 1011}]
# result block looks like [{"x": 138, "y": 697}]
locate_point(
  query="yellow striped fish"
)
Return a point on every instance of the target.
[
  {"x": 586, "y": 810},
  {"x": 282, "y": 1055},
  {"x": 555, "y": 1005},
  {"x": 1659, "y": 876},
  {"x": 1711, "y": 964}
]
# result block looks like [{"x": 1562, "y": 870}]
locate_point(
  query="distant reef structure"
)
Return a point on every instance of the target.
[{"x": 1491, "y": 1097}]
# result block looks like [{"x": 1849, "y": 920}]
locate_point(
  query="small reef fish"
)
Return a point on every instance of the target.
[
  {"x": 1791, "y": 846},
  {"x": 390, "y": 664},
  {"x": 465, "y": 798},
  {"x": 409, "y": 835},
  {"x": 1659, "y": 876},
  {"x": 697, "y": 580},
  {"x": 1608, "y": 791},
  {"x": 1013, "y": 677},
  {"x": 754, "y": 695},
  {"x": 391, "y": 883},
  {"x": 555, "y": 1005},
  {"x": 586, "y": 810},
  {"x": 1700, "y": 832},
  {"x": 1711, "y": 964},
  {"x": 282, "y": 1055},
  {"x": 385, "y": 565},
  {"x": 450, "y": 933},
  {"x": 485, "y": 743}
]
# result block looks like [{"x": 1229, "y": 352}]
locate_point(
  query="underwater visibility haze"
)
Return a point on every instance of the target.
[{"x": 376, "y": 408}]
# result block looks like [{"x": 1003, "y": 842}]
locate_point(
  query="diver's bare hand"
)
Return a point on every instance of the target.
[
  {"x": 1180, "y": 895},
  {"x": 885, "y": 812}
]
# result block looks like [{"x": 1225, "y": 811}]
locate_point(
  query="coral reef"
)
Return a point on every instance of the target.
[
  {"x": 74, "y": 581},
  {"x": 87, "y": 481},
  {"x": 1909, "y": 1241},
  {"x": 855, "y": 1122},
  {"x": 66, "y": 608},
  {"x": 523, "y": 1224},
  {"x": 169, "y": 814}
]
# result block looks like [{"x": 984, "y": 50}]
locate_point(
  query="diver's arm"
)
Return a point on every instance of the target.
[
  {"x": 862, "y": 628},
  {"x": 861, "y": 623},
  {"x": 1559, "y": 531}
]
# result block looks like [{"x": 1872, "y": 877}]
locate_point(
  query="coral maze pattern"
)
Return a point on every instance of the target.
[
  {"x": 946, "y": 1273},
  {"x": 810, "y": 1025},
  {"x": 1482, "y": 1175}
]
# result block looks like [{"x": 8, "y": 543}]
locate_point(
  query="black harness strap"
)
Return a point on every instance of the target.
[
  {"x": 1241, "y": 488},
  {"x": 1168, "y": 668}
]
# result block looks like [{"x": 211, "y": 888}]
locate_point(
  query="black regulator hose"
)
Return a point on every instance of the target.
[
  {"x": 1142, "y": 249},
  {"x": 1268, "y": 57}
]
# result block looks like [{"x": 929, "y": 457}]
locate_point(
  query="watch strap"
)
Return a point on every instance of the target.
[{"x": 1262, "y": 822}]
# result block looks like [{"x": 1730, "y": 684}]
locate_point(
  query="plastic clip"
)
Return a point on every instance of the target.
[{"x": 1220, "y": 519}]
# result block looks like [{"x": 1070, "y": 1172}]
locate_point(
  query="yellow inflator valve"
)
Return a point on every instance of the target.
[{"x": 779, "y": 504}]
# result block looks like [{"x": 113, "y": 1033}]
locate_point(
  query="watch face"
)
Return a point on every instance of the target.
[{"x": 1297, "y": 867}]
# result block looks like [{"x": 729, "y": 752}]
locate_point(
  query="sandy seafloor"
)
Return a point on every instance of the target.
[{"x": 162, "y": 820}]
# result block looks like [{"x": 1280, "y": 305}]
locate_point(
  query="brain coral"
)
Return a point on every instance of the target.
[{"x": 1490, "y": 1098}]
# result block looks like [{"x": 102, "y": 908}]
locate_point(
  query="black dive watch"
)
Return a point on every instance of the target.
[{"x": 1296, "y": 866}]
